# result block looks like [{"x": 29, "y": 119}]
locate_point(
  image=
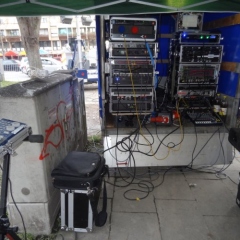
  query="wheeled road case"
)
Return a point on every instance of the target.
[{"x": 79, "y": 177}]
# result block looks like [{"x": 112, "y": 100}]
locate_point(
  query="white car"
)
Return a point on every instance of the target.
[{"x": 49, "y": 64}]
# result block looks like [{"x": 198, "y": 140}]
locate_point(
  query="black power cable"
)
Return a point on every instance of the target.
[{"x": 15, "y": 204}]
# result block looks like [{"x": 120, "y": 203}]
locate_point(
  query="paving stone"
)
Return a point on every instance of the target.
[
  {"x": 181, "y": 220},
  {"x": 214, "y": 198},
  {"x": 222, "y": 227},
  {"x": 174, "y": 186},
  {"x": 121, "y": 204},
  {"x": 134, "y": 226}
]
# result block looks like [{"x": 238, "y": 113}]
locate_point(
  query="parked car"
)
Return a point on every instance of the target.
[
  {"x": 49, "y": 64},
  {"x": 10, "y": 65}
]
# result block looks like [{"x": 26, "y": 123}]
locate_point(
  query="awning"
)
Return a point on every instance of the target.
[
  {"x": 99, "y": 7},
  {"x": 11, "y": 54},
  {"x": 22, "y": 53},
  {"x": 43, "y": 52}
]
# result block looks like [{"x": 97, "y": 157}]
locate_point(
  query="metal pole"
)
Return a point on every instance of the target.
[
  {"x": 80, "y": 66},
  {"x": 67, "y": 36},
  {"x": 3, "y": 52}
]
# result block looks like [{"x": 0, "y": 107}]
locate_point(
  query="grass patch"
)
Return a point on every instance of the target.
[
  {"x": 94, "y": 144},
  {"x": 95, "y": 138},
  {"x": 52, "y": 236},
  {"x": 6, "y": 83}
]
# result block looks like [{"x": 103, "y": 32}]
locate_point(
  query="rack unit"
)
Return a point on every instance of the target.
[
  {"x": 195, "y": 66},
  {"x": 132, "y": 65}
]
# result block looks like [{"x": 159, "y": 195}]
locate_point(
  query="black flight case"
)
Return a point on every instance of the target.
[{"x": 79, "y": 177}]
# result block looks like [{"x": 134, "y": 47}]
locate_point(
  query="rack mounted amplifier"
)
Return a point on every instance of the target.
[
  {"x": 132, "y": 50},
  {"x": 198, "y": 74},
  {"x": 201, "y": 53}
]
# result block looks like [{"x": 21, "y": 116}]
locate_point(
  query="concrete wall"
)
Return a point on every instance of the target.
[{"x": 53, "y": 107}]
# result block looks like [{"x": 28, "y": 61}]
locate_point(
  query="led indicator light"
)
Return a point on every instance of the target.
[
  {"x": 213, "y": 36},
  {"x": 134, "y": 30},
  {"x": 201, "y": 37},
  {"x": 184, "y": 34},
  {"x": 121, "y": 29}
]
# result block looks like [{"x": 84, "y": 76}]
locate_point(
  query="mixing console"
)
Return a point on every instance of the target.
[
  {"x": 12, "y": 133},
  {"x": 203, "y": 118}
]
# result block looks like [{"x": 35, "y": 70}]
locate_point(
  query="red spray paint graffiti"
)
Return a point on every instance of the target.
[{"x": 57, "y": 126}]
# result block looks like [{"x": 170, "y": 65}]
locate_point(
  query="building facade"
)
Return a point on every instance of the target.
[{"x": 53, "y": 35}]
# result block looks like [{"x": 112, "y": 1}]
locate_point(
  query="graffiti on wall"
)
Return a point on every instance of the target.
[{"x": 60, "y": 129}]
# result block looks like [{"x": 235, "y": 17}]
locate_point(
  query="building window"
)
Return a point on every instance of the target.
[
  {"x": 43, "y": 31},
  {"x": 56, "y": 45},
  {"x": 45, "y": 44},
  {"x": 74, "y": 32},
  {"x": 1, "y": 33},
  {"x": 16, "y": 45},
  {"x": 91, "y": 30},
  {"x": 13, "y": 32},
  {"x": 82, "y": 30},
  {"x": 6, "y": 45},
  {"x": 64, "y": 31}
]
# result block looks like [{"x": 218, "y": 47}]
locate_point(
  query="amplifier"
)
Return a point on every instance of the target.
[
  {"x": 132, "y": 50},
  {"x": 133, "y": 29},
  {"x": 131, "y": 107},
  {"x": 199, "y": 38},
  {"x": 128, "y": 93},
  {"x": 130, "y": 62},
  {"x": 128, "y": 73},
  {"x": 198, "y": 73},
  {"x": 124, "y": 100},
  {"x": 200, "y": 54},
  {"x": 189, "y": 91}
]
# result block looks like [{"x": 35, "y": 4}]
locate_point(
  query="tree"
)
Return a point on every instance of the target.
[{"x": 29, "y": 28}]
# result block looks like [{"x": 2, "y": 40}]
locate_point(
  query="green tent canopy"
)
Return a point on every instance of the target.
[{"x": 100, "y": 7}]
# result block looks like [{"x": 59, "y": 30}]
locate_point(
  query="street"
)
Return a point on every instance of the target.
[{"x": 15, "y": 76}]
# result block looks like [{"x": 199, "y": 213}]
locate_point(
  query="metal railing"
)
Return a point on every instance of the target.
[{"x": 11, "y": 67}]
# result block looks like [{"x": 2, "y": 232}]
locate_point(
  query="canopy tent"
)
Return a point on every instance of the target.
[
  {"x": 11, "y": 54},
  {"x": 98, "y": 7},
  {"x": 41, "y": 52}
]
